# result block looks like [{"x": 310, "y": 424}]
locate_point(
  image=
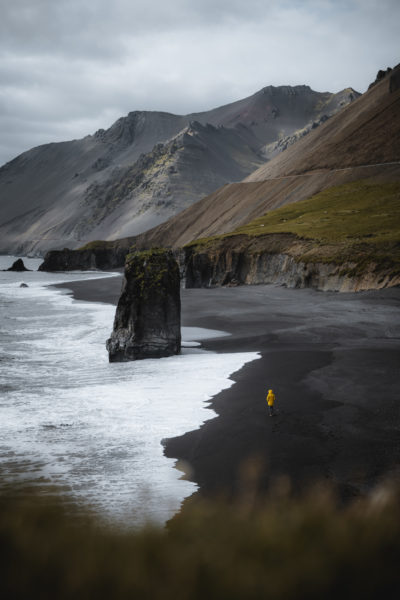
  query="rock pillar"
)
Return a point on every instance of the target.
[{"x": 147, "y": 322}]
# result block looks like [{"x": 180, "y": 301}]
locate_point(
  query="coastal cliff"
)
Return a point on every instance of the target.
[
  {"x": 343, "y": 239},
  {"x": 224, "y": 266},
  {"x": 148, "y": 318},
  {"x": 95, "y": 255}
]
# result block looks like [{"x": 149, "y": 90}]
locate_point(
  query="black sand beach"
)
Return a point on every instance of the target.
[{"x": 333, "y": 362}]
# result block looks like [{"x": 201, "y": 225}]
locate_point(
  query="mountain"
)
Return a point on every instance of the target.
[
  {"x": 146, "y": 167},
  {"x": 166, "y": 180},
  {"x": 362, "y": 141}
]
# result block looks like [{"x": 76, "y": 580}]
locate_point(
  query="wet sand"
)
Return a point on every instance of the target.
[{"x": 333, "y": 363}]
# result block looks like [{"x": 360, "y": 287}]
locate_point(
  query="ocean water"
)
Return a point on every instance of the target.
[{"x": 70, "y": 419}]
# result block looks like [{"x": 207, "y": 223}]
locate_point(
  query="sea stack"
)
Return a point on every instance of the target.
[
  {"x": 18, "y": 265},
  {"x": 147, "y": 322}
]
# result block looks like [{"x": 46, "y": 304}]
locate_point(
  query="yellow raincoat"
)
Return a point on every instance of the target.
[{"x": 271, "y": 398}]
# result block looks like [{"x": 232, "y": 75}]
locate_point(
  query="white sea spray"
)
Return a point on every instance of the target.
[{"x": 70, "y": 418}]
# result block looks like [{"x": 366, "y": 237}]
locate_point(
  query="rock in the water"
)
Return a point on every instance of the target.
[
  {"x": 24, "y": 285},
  {"x": 18, "y": 265},
  {"x": 148, "y": 318}
]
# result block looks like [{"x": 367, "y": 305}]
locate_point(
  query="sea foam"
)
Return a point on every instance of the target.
[{"x": 69, "y": 418}]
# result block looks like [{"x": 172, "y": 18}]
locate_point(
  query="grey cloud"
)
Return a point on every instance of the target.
[
  {"x": 69, "y": 67},
  {"x": 100, "y": 27}
]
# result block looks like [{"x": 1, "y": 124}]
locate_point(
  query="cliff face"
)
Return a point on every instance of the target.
[
  {"x": 238, "y": 268},
  {"x": 104, "y": 256},
  {"x": 147, "y": 321},
  {"x": 286, "y": 259},
  {"x": 345, "y": 238}
]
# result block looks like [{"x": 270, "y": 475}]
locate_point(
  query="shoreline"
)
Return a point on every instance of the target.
[{"x": 327, "y": 356}]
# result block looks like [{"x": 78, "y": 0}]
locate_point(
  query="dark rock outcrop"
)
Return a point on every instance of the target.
[
  {"x": 271, "y": 150},
  {"x": 394, "y": 77},
  {"x": 281, "y": 259},
  {"x": 24, "y": 285},
  {"x": 381, "y": 74},
  {"x": 394, "y": 82},
  {"x": 282, "y": 269},
  {"x": 18, "y": 265},
  {"x": 102, "y": 257},
  {"x": 148, "y": 318}
]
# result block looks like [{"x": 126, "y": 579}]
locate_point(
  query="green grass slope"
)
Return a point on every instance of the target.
[
  {"x": 354, "y": 212},
  {"x": 357, "y": 222}
]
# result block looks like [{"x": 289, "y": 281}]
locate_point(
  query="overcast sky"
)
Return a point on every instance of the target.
[{"x": 69, "y": 67}]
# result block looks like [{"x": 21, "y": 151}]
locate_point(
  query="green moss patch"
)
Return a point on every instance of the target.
[
  {"x": 151, "y": 269},
  {"x": 109, "y": 245},
  {"x": 153, "y": 254},
  {"x": 97, "y": 245}
]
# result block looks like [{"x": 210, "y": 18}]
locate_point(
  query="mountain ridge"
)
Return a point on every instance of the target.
[
  {"x": 369, "y": 124},
  {"x": 44, "y": 195}
]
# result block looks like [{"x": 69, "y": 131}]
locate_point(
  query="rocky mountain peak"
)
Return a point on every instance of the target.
[
  {"x": 383, "y": 73},
  {"x": 285, "y": 90},
  {"x": 124, "y": 129},
  {"x": 146, "y": 167}
]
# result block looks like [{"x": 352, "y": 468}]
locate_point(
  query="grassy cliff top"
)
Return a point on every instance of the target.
[
  {"x": 358, "y": 211},
  {"x": 354, "y": 211},
  {"x": 152, "y": 254},
  {"x": 124, "y": 243},
  {"x": 355, "y": 223}
]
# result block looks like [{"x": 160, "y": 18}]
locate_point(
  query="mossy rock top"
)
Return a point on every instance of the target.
[
  {"x": 154, "y": 255},
  {"x": 153, "y": 270}
]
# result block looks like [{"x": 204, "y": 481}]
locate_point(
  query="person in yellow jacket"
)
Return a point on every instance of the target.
[{"x": 271, "y": 402}]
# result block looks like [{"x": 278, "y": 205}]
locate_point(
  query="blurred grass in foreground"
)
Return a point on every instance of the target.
[{"x": 280, "y": 548}]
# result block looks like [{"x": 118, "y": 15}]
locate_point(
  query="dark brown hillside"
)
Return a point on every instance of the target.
[
  {"x": 236, "y": 204},
  {"x": 363, "y": 133}
]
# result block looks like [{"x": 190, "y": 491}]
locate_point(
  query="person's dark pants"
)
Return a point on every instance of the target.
[{"x": 271, "y": 410}]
